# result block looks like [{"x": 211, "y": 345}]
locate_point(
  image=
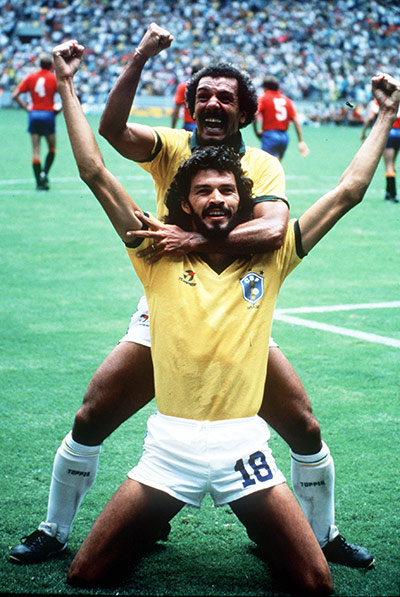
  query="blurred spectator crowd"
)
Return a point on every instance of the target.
[{"x": 323, "y": 51}]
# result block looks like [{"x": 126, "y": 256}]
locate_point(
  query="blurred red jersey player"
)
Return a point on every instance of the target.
[
  {"x": 42, "y": 87},
  {"x": 179, "y": 103},
  {"x": 276, "y": 112}
]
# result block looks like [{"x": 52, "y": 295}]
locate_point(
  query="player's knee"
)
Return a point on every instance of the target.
[
  {"x": 312, "y": 430},
  {"x": 317, "y": 584},
  {"x": 81, "y": 574},
  {"x": 89, "y": 419},
  {"x": 91, "y": 573},
  {"x": 307, "y": 437},
  {"x": 96, "y": 419},
  {"x": 76, "y": 576},
  {"x": 314, "y": 580},
  {"x": 85, "y": 418}
]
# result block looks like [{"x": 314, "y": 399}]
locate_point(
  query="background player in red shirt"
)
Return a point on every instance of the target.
[
  {"x": 276, "y": 111},
  {"x": 179, "y": 103},
  {"x": 390, "y": 152},
  {"x": 42, "y": 86}
]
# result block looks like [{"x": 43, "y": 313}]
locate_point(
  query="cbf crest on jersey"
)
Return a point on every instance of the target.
[{"x": 252, "y": 287}]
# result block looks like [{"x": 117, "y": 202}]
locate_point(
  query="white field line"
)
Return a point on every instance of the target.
[
  {"x": 327, "y": 309},
  {"x": 284, "y": 315}
]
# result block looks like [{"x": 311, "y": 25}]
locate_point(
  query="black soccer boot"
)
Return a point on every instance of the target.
[
  {"x": 36, "y": 547},
  {"x": 338, "y": 551}
]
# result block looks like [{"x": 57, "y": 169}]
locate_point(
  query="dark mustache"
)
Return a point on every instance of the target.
[{"x": 226, "y": 211}]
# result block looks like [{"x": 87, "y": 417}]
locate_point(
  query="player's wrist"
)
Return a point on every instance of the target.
[
  {"x": 387, "y": 113},
  {"x": 141, "y": 54},
  {"x": 195, "y": 242},
  {"x": 65, "y": 80}
]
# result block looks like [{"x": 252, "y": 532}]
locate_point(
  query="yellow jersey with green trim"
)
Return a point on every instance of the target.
[
  {"x": 210, "y": 332},
  {"x": 174, "y": 146}
]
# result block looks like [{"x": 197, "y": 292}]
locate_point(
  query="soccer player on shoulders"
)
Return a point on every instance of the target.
[
  {"x": 207, "y": 435},
  {"x": 222, "y": 100}
]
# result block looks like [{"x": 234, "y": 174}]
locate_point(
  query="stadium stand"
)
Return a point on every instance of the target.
[{"x": 322, "y": 51}]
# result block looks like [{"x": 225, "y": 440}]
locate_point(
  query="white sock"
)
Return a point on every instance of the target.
[
  {"x": 313, "y": 482},
  {"x": 74, "y": 472}
]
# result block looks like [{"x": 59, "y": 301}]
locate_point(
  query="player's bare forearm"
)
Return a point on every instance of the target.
[
  {"x": 116, "y": 202},
  {"x": 85, "y": 149},
  {"x": 110, "y": 193},
  {"x": 126, "y": 139},
  {"x": 132, "y": 141},
  {"x": 322, "y": 216}
]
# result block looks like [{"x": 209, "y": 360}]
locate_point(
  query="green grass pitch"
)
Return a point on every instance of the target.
[{"x": 67, "y": 293}]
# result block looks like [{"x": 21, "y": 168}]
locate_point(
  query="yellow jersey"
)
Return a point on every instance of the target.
[
  {"x": 210, "y": 332},
  {"x": 173, "y": 146}
]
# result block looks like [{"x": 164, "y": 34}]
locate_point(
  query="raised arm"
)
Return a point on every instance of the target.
[
  {"x": 324, "y": 214},
  {"x": 133, "y": 141},
  {"x": 112, "y": 196}
]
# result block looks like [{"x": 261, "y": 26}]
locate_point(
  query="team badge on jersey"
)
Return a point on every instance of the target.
[
  {"x": 187, "y": 277},
  {"x": 252, "y": 287}
]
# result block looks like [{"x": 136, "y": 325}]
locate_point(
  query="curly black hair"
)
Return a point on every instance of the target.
[
  {"x": 222, "y": 159},
  {"x": 247, "y": 94}
]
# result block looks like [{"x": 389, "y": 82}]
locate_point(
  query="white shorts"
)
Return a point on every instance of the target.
[
  {"x": 139, "y": 326},
  {"x": 229, "y": 459}
]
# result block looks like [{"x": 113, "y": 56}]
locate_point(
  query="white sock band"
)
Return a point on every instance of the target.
[{"x": 313, "y": 482}]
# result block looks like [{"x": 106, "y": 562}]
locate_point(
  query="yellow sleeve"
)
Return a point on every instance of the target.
[
  {"x": 267, "y": 174},
  {"x": 288, "y": 257},
  {"x": 171, "y": 148}
]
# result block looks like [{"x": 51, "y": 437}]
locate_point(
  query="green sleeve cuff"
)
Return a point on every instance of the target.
[
  {"x": 263, "y": 198},
  {"x": 297, "y": 235}
]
